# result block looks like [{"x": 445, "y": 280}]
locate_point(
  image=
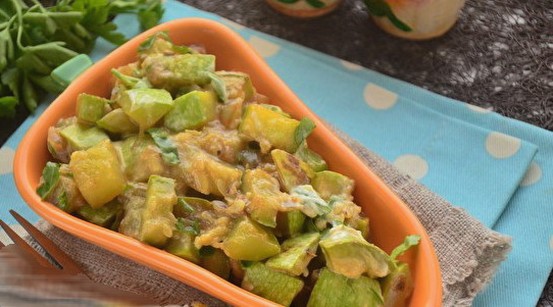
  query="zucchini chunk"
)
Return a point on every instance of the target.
[
  {"x": 272, "y": 285},
  {"x": 346, "y": 252},
  {"x": 90, "y": 108},
  {"x": 269, "y": 128},
  {"x": 250, "y": 241},
  {"x": 335, "y": 290},
  {"x": 98, "y": 174},
  {"x": 296, "y": 255},
  {"x": 192, "y": 111}
]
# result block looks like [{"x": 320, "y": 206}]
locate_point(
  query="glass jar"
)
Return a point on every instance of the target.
[
  {"x": 426, "y": 18},
  {"x": 304, "y": 8}
]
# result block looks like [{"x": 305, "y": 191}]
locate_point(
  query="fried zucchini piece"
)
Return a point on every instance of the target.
[
  {"x": 335, "y": 290},
  {"x": 250, "y": 241},
  {"x": 263, "y": 192},
  {"x": 291, "y": 170},
  {"x": 269, "y": 128},
  {"x": 272, "y": 285},
  {"x": 346, "y": 252},
  {"x": 329, "y": 183},
  {"x": 97, "y": 173},
  {"x": 81, "y": 137},
  {"x": 296, "y": 255},
  {"x": 173, "y": 72},
  {"x": 192, "y": 111},
  {"x": 145, "y": 106},
  {"x": 151, "y": 220},
  {"x": 90, "y": 108},
  {"x": 116, "y": 121}
]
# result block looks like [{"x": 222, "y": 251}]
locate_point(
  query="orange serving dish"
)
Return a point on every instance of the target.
[{"x": 391, "y": 219}]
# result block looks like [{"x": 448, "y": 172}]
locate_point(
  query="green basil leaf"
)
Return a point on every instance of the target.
[{"x": 50, "y": 179}]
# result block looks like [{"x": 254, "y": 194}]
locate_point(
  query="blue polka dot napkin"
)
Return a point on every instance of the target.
[{"x": 500, "y": 170}]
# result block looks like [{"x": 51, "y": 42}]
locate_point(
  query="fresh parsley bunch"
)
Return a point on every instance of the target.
[{"x": 34, "y": 40}]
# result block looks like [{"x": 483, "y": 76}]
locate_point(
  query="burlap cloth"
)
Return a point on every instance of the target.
[{"x": 469, "y": 253}]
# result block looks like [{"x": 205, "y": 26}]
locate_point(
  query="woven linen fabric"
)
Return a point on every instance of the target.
[{"x": 468, "y": 251}]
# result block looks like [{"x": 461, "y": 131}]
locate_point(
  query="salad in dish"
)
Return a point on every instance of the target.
[{"x": 194, "y": 161}]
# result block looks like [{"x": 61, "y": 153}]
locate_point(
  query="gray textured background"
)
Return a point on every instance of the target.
[{"x": 498, "y": 56}]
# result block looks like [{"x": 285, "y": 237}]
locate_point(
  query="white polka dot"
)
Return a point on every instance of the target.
[
  {"x": 478, "y": 109},
  {"x": 412, "y": 165},
  {"x": 236, "y": 26},
  {"x": 378, "y": 97},
  {"x": 502, "y": 146},
  {"x": 6, "y": 160},
  {"x": 533, "y": 175},
  {"x": 264, "y": 47},
  {"x": 350, "y": 65}
]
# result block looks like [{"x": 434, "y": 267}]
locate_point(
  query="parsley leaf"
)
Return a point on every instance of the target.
[{"x": 35, "y": 40}]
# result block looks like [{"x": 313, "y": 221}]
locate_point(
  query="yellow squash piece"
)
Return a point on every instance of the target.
[
  {"x": 270, "y": 128},
  {"x": 250, "y": 241},
  {"x": 97, "y": 173}
]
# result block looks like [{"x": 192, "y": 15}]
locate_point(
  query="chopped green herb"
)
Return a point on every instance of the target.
[
  {"x": 63, "y": 202},
  {"x": 129, "y": 81},
  {"x": 185, "y": 206},
  {"x": 304, "y": 129},
  {"x": 51, "y": 177},
  {"x": 188, "y": 226},
  {"x": 313, "y": 159},
  {"x": 149, "y": 42},
  {"x": 313, "y": 204},
  {"x": 409, "y": 242},
  {"x": 169, "y": 152},
  {"x": 218, "y": 86}
]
